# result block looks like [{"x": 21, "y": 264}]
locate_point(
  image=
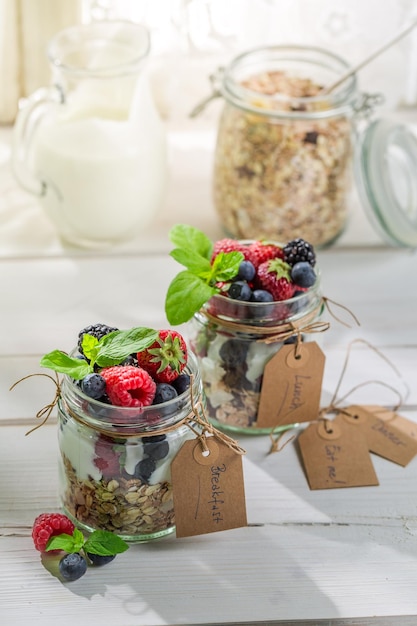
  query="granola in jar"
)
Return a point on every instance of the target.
[{"x": 282, "y": 159}]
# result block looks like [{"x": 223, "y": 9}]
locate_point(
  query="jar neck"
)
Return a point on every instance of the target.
[{"x": 297, "y": 76}]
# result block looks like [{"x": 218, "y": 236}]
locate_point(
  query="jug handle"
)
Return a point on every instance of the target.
[{"x": 28, "y": 118}]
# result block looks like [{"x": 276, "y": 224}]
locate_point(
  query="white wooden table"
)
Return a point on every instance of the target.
[{"x": 345, "y": 557}]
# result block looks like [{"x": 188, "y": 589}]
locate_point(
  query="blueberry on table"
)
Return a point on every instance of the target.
[
  {"x": 72, "y": 566},
  {"x": 100, "y": 559}
]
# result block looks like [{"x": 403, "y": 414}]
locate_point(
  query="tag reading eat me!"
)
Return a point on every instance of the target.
[
  {"x": 208, "y": 491},
  {"x": 291, "y": 386},
  {"x": 382, "y": 436},
  {"x": 336, "y": 455}
]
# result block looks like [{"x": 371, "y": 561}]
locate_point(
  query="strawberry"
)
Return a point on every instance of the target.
[
  {"x": 258, "y": 252},
  {"x": 165, "y": 358},
  {"x": 227, "y": 245},
  {"x": 274, "y": 276}
]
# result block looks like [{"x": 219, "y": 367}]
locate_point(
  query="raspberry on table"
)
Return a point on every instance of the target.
[
  {"x": 48, "y": 525},
  {"x": 127, "y": 385}
]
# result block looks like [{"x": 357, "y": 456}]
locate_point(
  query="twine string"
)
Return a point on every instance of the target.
[
  {"x": 326, "y": 302},
  {"x": 45, "y": 411}
]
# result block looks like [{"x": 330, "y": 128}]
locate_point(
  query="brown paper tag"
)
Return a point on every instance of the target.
[
  {"x": 399, "y": 421},
  {"x": 382, "y": 436},
  {"x": 208, "y": 491},
  {"x": 336, "y": 455},
  {"x": 291, "y": 386}
]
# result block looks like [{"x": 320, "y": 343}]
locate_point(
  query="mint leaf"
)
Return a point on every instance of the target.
[
  {"x": 194, "y": 262},
  {"x": 185, "y": 296},
  {"x": 190, "y": 238},
  {"x": 69, "y": 543},
  {"x": 89, "y": 346},
  {"x": 61, "y": 362},
  {"x": 116, "y": 346},
  {"x": 105, "y": 543},
  {"x": 226, "y": 265}
]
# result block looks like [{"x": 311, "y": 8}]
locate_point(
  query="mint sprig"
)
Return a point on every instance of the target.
[
  {"x": 101, "y": 542},
  {"x": 112, "y": 349},
  {"x": 191, "y": 288}
]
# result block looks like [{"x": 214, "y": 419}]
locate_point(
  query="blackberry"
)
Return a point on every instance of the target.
[
  {"x": 96, "y": 330},
  {"x": 299, "y": 250}
]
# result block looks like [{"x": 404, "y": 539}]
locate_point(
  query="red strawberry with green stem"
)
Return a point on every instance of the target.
[
  {"x": 275, "y": 277},
  {"x": 165, "y": 358}
]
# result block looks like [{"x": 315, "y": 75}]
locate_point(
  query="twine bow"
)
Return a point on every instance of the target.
[{"x": 45, "y": 411}]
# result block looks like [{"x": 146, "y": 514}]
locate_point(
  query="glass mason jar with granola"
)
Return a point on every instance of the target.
[
  {"x": 282, "y": 164},
  {"x": 127, "y": 403}
]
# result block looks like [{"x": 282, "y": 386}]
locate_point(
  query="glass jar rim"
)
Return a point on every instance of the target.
[
  {"x": 338, "y": 102},
  {"x": 128, "y": 33},
  {"x": 131, "y": 420}
]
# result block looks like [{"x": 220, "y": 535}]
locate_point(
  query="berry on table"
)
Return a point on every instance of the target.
[
  {"x": 100, "y": 559},
  {"x": 165, "y": 358},
  {"x": 93, "y": 385},
  {"x": 48, "y": 525},
  {"x": 72, "y": 566},
  {"x": 303, "y": 274},
  {"x": 129, "y": 385}
]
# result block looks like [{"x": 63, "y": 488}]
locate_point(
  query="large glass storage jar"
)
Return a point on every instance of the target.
[
  {"x": 115, "y": 461},
  {"x": 232, "y": 341},
  {"x": 282, "y": 165}
]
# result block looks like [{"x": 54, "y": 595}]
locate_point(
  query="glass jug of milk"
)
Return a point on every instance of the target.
[{"x": 92, "y": 146}]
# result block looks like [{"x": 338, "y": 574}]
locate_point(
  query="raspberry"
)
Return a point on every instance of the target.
[
  {"x": 166, "y": 357},
  {"x": 48, "y": 525},
  {"x": 127, "y": 385},
  {"x": 299, "y": 250},
  {"x": 274, "y": 276},
  {"x": 227, "y": 245},
  {"x": 107, "y": 460},
  {"x": 96, "y": 330},
  {"x": 259, "y": 252}
]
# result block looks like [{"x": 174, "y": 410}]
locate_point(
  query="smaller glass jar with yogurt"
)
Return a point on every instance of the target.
[
  {"x": 235, "y": 340},
  {"x": 115, "y": 462}
]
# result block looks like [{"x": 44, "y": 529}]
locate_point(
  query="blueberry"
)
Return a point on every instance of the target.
[
  {"x": 246, "y": 271},
  {"x": 261, "y": 295},
  {"x": 240, "y": 290},
  {"x": 233, "y": 353},
  {"x": 156, "y": 451},
  {"x": 303, "y": 274},
  {"x": 99, "y": 559},
  {"x": 72, "y": 566},
  {"x": 130, "y": 360},
  {"x": 144, "y": 469},
  {"x": 164, "y": 392},
  {"x": 93, "y": 385},
  {"x": 181, "y": 383},
  {"x": 154, "y": 439}
]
